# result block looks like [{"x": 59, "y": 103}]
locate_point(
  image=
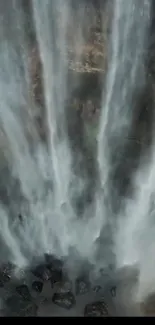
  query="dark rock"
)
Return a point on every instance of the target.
[
  {"x": 53, "y": 263},
  {"x": 15, "y": 306},
  {"x": 6, "y": 272},
  {"x": 56, "y": 277},
  {"x": 96, "y": 309},
  {"x": 4, "y": 277},
  {"x": 82, "y": 286},
  {"x": 37, "y": 286},
  {"x": 97, "y": 288},
  {"x": 23, "y": 291},
  {"x": 55, "y": 266},
  {"x": 42, "y": 272},
  {"x": 64, "y": 300}
]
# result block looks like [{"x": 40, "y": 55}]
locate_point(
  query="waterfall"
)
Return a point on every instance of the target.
[{"x": 40, "y": 177}]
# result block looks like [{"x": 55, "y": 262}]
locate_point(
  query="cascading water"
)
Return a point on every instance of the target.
[{"x": 41, "y": 172}]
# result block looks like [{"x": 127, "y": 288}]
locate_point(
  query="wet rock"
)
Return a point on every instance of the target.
[
  {"x": 53, "y": 263},
  {"x": 42, "y": 272},
  {"x": 97, "y": 288},
  {"x": 54, "y": 266},
  {"x": 65, "y": 300},
  {"x": 37, "y": 286},
  {"x": 15, "y": 306},
  {"x": 4, "y": 277},
  {"x": 56, "y": 277},
  {"x": 6, "y": 273},
  {"x": 23, "y": 291},
  {"x": 8, "y": 268},
  {"x": 96, "y": 309},
  {"x": 82, "y": 286}
]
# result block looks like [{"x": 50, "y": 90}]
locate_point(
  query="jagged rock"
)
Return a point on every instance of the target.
[
  {"x": 54, "y": 266},
  {"x": 42, "y": 272},
  {"x": 8, "y": 268},
  {"x": 23, "y": 291},
  {"x": 53, "y": 263},
  {"x": 6, "y": 277},
  {"x": 56, "y": 277},
  {"x": 82, "y": 285},
  {"x": 37, "y": 286},
  {"x": 96, "y": 309},
  {"x": 16, "y": 306},
  {"x": 65, "y": 300}
]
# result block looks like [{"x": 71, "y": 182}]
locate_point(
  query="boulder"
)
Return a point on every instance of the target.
[
  {"x": 24, "y": 292},
  {"x": 42, "y": 272},
  {"x": 65, "y": 299},
  {"x": 37, "y": 286},
  {"x": 17, "y": 306},
  {"x": 96, "y": 309}
]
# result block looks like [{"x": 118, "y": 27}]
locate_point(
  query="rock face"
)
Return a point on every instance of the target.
[
  {"x": 23, "y": 291},
  {"x": 37, "y": 286},
  {"x": 42, "y": 272},
  {"x": 4, "y": 278},
  {"x": 5, "y": 274},
  {"x": 55, "y": 266}
]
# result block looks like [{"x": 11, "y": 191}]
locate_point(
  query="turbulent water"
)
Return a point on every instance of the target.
[{"x": 39, "y": 178}]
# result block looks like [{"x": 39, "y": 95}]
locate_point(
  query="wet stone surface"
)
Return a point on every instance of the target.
[
  {"x": 53, "y": 263},
  {"x": 24, "y": 292},
  {"x": 96, "y": 309},
  {"x": 37, "y": 286},
  {"x": 42, "y": 272},
  {"x": 65, "y": 299},
  {"x": 51, "y": 269},
  {"x": 17, "y": 306},
  {"x": 5, "y": 274},
  {"x": 56, "y": 277},
  {"x": 4, "y": 278},
  {"x": 55, "y": 268},
  {"x": 47, "y": 289}
]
